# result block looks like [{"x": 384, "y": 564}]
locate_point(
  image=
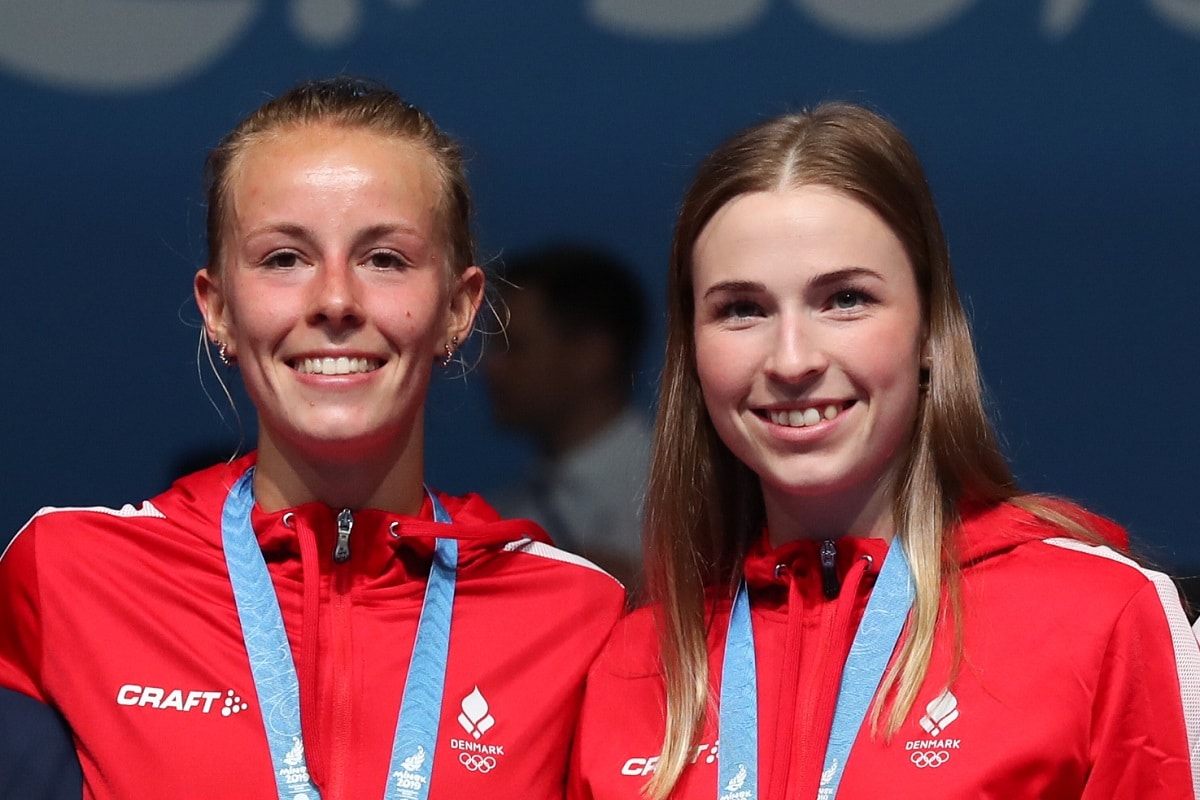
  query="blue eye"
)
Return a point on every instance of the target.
[
  {"x": 739, "y": 309},
  {"x": 847, "y": 299}
]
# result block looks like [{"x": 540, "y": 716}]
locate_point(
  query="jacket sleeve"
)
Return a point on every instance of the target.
[
  {"x": 1146, "y": 717},
  {"x": 20, "y": 616}
]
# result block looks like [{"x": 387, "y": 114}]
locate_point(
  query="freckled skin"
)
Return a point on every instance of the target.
[{"x": 335, "y": 248}]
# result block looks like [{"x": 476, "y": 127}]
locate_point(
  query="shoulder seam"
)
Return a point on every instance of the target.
[
  {"x": 543, "y": 550},
  {"x": 146, "y": 509}
]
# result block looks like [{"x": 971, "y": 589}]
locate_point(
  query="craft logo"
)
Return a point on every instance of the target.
[
  {"x": 194, "y": 700},
  {"x": 410, "y": 779},
  {"x": 476, "y": 719},
  {"x": 941, "y": 712},
  {"x": 733, "y": 789},
  {"x": 644, "y": 765}
]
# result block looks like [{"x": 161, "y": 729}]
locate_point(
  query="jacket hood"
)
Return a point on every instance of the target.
[
  {"x": 474, "y": 523},
  {"x": 987, "y": 531}
]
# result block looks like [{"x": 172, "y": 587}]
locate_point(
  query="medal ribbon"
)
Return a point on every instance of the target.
[
  {"x": 870, "y": 652},
  {"x": 274, "y": 671}
]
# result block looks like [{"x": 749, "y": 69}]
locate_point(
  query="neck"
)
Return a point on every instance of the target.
[
  {"x": 389, "y": 479},
  {"x": 864, "y": 514},
  {"x": 593, "y": 412}
]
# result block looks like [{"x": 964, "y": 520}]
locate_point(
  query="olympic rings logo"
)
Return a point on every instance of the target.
[
  {"x": 477, "y": 763},
  {"x": 929, "y": 758}
]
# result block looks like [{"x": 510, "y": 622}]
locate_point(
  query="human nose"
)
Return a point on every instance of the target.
[
  {"x": 336, "y": 295},
  {"x": 797, "y": 352}
]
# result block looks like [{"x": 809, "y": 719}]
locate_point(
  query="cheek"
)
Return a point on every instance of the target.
[
  {"x": 889, "y": 357},
  {"x": 716, "y": 367},
  {"x": 726, "y": 371},
  {"x": 255, "y": 313},
  {"x": 414, "y": 328},
  {"x": 891, "y": 376}
]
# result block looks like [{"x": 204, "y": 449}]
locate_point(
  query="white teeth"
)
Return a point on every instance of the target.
[
  {"x": 803, "y": 419},
  {"x": 335, "y": 366}
]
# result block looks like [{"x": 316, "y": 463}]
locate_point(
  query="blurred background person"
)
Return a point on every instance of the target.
[{"x": 563, "y": 375}]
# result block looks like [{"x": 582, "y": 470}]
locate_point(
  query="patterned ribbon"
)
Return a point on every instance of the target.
[{"x": 274, "y": 671}]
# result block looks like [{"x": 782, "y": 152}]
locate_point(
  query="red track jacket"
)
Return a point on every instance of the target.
[
  {"x": 1080, "y": 679},
  {"x": 125, "y": 621}
]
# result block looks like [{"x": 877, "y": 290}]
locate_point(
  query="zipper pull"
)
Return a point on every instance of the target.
[
  {"x": 829, "y": 576},
  {"x": 345, "y": 521}
]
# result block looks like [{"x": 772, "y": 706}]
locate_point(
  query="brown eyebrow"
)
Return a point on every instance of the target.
[
  {"x": 733, "y": 286},
  {"x": 364, "y": 235},
  {"x": 821, "y": 281},
  {"x": 840, "y": 275},
  {"x": 288, "y": 229},
  {"x": 383, "y": 229}
]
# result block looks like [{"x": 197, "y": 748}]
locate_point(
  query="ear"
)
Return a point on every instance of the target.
[
  {"x": 210, "y": 298},
  {"x": 466, "y": 295},
  {"x": 926, "y": 347}
]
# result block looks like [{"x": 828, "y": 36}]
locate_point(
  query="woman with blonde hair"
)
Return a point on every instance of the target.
[
  {"x": 850, "y": 596},
  {"x": 310, "y": 620}
]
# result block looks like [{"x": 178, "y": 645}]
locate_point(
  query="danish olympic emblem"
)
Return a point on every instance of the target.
[
  {"x": 478, "y": 763},
  {"x": 929, "y": 758}
]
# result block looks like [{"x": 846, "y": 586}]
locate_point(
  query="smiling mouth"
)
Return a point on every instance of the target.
[
  {"x": 335, "y": 366},
  {"x": 804, "y": 417}
]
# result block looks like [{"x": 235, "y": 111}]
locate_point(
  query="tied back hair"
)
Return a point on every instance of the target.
[
  {"x": 350, "y": 104},
  {"x": 704, "y": 508}
]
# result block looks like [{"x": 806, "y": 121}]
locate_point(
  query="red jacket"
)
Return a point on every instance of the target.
[
  {"x": 1070, "y": 684},
  {"x": 125, "y": 621}
]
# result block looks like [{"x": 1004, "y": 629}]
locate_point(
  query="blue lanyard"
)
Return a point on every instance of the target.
[
  {"x": 274, "y": 671},
  {"x": 876, "y": 638}
]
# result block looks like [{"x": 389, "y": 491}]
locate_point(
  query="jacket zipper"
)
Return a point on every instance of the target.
[
  {"x": 807, "y": 762},
  {"x": 829, "y": 577},
  {"x": 345, "y": 523},
  {"x": 340, "y": 586}
]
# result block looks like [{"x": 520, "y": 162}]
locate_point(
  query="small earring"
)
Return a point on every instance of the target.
[
  {"x": 449, "y": 351},
  {"x": 223, "y": 354}
]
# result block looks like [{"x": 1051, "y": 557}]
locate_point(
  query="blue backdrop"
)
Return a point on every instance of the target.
[{"x": 1062, "y": 138}]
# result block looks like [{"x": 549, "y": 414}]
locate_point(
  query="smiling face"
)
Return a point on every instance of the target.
[
  {"x": 334, "y": 292},
  {"x": 809, "y": 339}
]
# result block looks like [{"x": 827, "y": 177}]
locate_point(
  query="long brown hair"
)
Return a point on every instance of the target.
[{"x": 704, "y": 507}]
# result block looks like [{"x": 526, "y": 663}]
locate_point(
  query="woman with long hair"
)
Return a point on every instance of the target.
[
  {"x": 310, "y": 620},
  {"x": 850, "y": 595}
]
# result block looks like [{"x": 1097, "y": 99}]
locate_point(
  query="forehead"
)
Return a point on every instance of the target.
[
  {"x": 314, "y": 163},
  {"x": 795, "y": 231}
]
